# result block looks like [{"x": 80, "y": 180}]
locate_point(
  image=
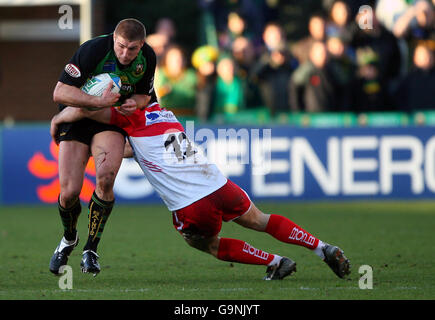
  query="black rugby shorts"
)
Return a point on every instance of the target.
[{"x": 84, "y": 130}]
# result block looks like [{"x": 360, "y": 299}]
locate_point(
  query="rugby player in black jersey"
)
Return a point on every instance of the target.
[{"x": 126, "y": 54}]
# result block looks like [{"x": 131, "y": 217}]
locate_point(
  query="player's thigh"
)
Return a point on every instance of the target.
[
  {"x": 107, "y": 148},
  {"x": 73, "y": 158},
  {"x": 200, "y": 220},
  {"x": 234, "y": 201}
]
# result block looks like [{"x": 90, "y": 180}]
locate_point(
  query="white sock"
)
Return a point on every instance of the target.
[
  {"x": 318, "y": 251},
  {"x": 65, "y": 243},
  {"x": 275, "y": 260}
]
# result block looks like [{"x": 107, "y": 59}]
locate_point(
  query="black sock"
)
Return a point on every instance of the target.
[
  {"x": 99, "y": 211},
  {"x": 69, "y": 219}
]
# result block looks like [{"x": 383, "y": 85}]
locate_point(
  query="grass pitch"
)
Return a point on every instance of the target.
[{"x": 143, "y": 257}]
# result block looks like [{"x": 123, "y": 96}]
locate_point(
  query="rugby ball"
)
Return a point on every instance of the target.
[{"x": 96, "y": 85}]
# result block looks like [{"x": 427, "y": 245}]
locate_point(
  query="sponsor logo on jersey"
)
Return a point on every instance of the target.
[
  {"x": 109, "y": 66},
  {"x": 159, "y": 116},
  {"x": 139, "y": 69},
  {"x": 73, "y": 70},
  {"x": 127, "y": 88},
  {"x": 152, "y": 116}
]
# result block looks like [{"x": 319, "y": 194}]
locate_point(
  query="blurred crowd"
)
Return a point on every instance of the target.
[{"x": 358, "y": 56}]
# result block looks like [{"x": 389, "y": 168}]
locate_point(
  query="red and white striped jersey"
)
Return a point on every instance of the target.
[{"x": 178, "y": 171}]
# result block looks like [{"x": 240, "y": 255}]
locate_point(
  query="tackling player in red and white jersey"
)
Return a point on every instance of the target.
[{"x": 200, "y": 197}]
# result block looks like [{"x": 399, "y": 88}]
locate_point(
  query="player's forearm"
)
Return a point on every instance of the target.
[
  {"x": 70, "y": 114},
  {"x": 73, "y": 96}
]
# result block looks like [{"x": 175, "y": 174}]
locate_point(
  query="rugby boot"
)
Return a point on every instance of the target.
[
  {"x": 90, "y": 263},
  {"x": 336, "y": 260},
  {"x": 61, "y": 254},
  {"x": 281, "y": 270}
]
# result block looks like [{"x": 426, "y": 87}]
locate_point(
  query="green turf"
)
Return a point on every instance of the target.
[{"x": 143, "y": 257}]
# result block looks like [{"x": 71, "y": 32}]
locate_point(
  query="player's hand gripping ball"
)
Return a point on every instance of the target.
[{"x": 96, "y": 85}]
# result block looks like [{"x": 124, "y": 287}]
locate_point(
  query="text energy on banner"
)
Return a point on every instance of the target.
[{"x": 275, "y": 163}]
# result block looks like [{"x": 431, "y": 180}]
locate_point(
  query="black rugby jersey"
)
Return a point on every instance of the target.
[{"x": 97, "y": 56}]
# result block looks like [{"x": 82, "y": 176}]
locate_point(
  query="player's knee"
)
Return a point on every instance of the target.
[
  {"x": 198, "y": 241},
  {"x": 197, "y": 244},
  {"x": 68, "y": 196}
]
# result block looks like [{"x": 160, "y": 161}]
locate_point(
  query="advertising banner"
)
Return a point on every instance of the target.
[{"x": 270, "y": 163}]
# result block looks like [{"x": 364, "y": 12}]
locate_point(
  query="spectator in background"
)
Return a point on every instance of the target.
[
  {"x": 273, "y": 37},
  {"x": 175, "y": 83},
  {"x": 340, "y": 21},
  {"x": 167, "y": 27},
  {"x": 164, "y": 36},
  {"x": 416, "y": 90},
  {"x": 388, "y": 11},
  {"x": 236, "y": 27},
  {"x": 369, "y": 92},
  {"x": 159, "y": 42},
  {"x": 204, "y": 61},
  {"x": 417, "y": 22},
  {"x": 228, "y": 97},
  {"x": 274, "y": 69},
  {"x": 317, "y": 32},
  {"x": 354, "y": 5},
  {"x": 388, "y": 56},
  {"x": 312, "y": 87},
  {"x": 273, "y": 72},
  {"x": 243, "y": 53},
  {"x": 253, "y": 12},
  {"x": 343, "y": 70},
  {"x": 317, "y": 27}
]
